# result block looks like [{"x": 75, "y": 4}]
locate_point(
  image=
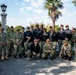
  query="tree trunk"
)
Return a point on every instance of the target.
[{"x": 53, "y": 24}]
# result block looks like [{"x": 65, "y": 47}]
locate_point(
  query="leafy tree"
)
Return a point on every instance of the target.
[
  {"x": 57, "y": 28},
  {"x": 18, "y": 27},
  {"x": 47, "y": 27},
  {"x": 31, "y": 24},
  {"x": 53, "y": 7}
]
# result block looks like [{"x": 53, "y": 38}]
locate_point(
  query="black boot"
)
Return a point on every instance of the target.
[
  {"x": 45, "y": 58},
  {"x": 65, "y": 57},
  {"x": 9, "y": 55},
  {"x": 69, "y": 58},
  {"x": 20, "y": 56},
  {"x": 25, "y": 56},
  {"x": 52, "y": 58},
  {"x": 15, "y": 56}
]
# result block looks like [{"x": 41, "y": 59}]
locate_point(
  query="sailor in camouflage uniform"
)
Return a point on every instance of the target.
[
  {"x": 74, "y": 42},
  {"x": 73, "y": 39},
  {"x": 48, "y": 49},
  {"x": 3, "y": 45},
  {"x": 11, "y": 35},
  {"x": 75, "y": 50},
  {"x": 17, "y": 44},
  {"x": 66, "y": 50},
  {"x": 23, "y": 47}
]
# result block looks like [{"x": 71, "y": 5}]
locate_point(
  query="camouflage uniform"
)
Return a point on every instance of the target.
[
  {"x": 43, "y": 41},
  {"x": 11, "y": 35},
  {"x": 18, "y": 47},
  {"x": 74, "y": 44},
  {"x": 3, "y": 45},
  {"x": 75, "y": 50},
  {"x": 66, "y": 51},
  {"x": 45, "y": 51},
  {"x": 23, "y": 47}
]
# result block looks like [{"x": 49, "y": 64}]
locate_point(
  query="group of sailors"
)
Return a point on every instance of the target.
[{"x": 38, "y": 43}]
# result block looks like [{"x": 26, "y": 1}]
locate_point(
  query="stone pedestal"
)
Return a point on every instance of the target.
[{"x": 3, "y": 18}]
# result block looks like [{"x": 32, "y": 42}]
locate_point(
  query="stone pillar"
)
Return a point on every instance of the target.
[{"x": 3, "y": 18}]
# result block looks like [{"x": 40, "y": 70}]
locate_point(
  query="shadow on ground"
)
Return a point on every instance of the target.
[{"x": 35, "y": 67}]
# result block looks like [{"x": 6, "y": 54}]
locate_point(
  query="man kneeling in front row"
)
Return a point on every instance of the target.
[
  {"x": 66, "y": 51},
  {"x": 34, "y": 50},
  {"x": 48, "y": 49}
]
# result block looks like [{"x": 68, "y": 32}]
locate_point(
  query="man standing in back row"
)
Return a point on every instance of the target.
[
  {"x": 3, "y": 45},
  {"x": 17, "y": 44},
  {"x": 61, "y": 36},
  {"x": 68, "y": 33},
  {"x": 23, "y": 47},
  {"x": 28, "y": 39},
  {"x": 11, "y": 35},
  {"x": 37, "y": 33}
]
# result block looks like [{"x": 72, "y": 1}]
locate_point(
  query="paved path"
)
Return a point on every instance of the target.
[{"x": 37, "y": 67}]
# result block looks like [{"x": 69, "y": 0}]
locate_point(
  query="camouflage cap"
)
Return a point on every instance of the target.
[
  {"x": 23, "y": 28},
  {"x": 67, "y": 25},
  {"x": 32, "y": 26},
  {"x": 61, "y": 25},
  {"x": 11, "y": 26},
  {"x": 37, "y": 25},
  {"x": 28, "y": 27},
  {"x": 74, "y": 29},
  {"x": 65, "y": 41},
  {"x": 41, "y": 24},
  {"x": 50, "y": 27}
]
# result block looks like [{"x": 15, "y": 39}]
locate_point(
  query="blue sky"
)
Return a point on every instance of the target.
[{"x": 22, "y": 12}]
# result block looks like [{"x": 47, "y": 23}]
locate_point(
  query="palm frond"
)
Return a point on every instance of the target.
[
  {"x": 53, "y": 6},
  {"x": 74, "y": 2},
  {"x": 48, "y": 6}
]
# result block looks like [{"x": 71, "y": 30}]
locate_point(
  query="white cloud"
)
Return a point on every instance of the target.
[
  {"x": 22, "y": 9},
  {"x": 37, "y": 3},
  {"x": 38, "y": 11},
  {"x": 23, "y": 4},
  {"x": 34, "y": 5},
  {"x": 64, "y": 11},
  {"x": 65, "y": 1},
  {"x": 70, "y": 15},
  {"x": 10, "y": 19},
  {"x": 26, "y": 0},
  {"x": 74, "y": 12},
  {"x": 17, "y": 3},
  {"x": 28, "y": 8},
  {"x": 14, "y": 22}
]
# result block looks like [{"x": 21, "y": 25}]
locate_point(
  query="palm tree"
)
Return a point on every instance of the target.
[
  {"x": 74, "y": 2},
  {"x": 0, "y": 23},
  {"x": 53, "y": 7}
]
